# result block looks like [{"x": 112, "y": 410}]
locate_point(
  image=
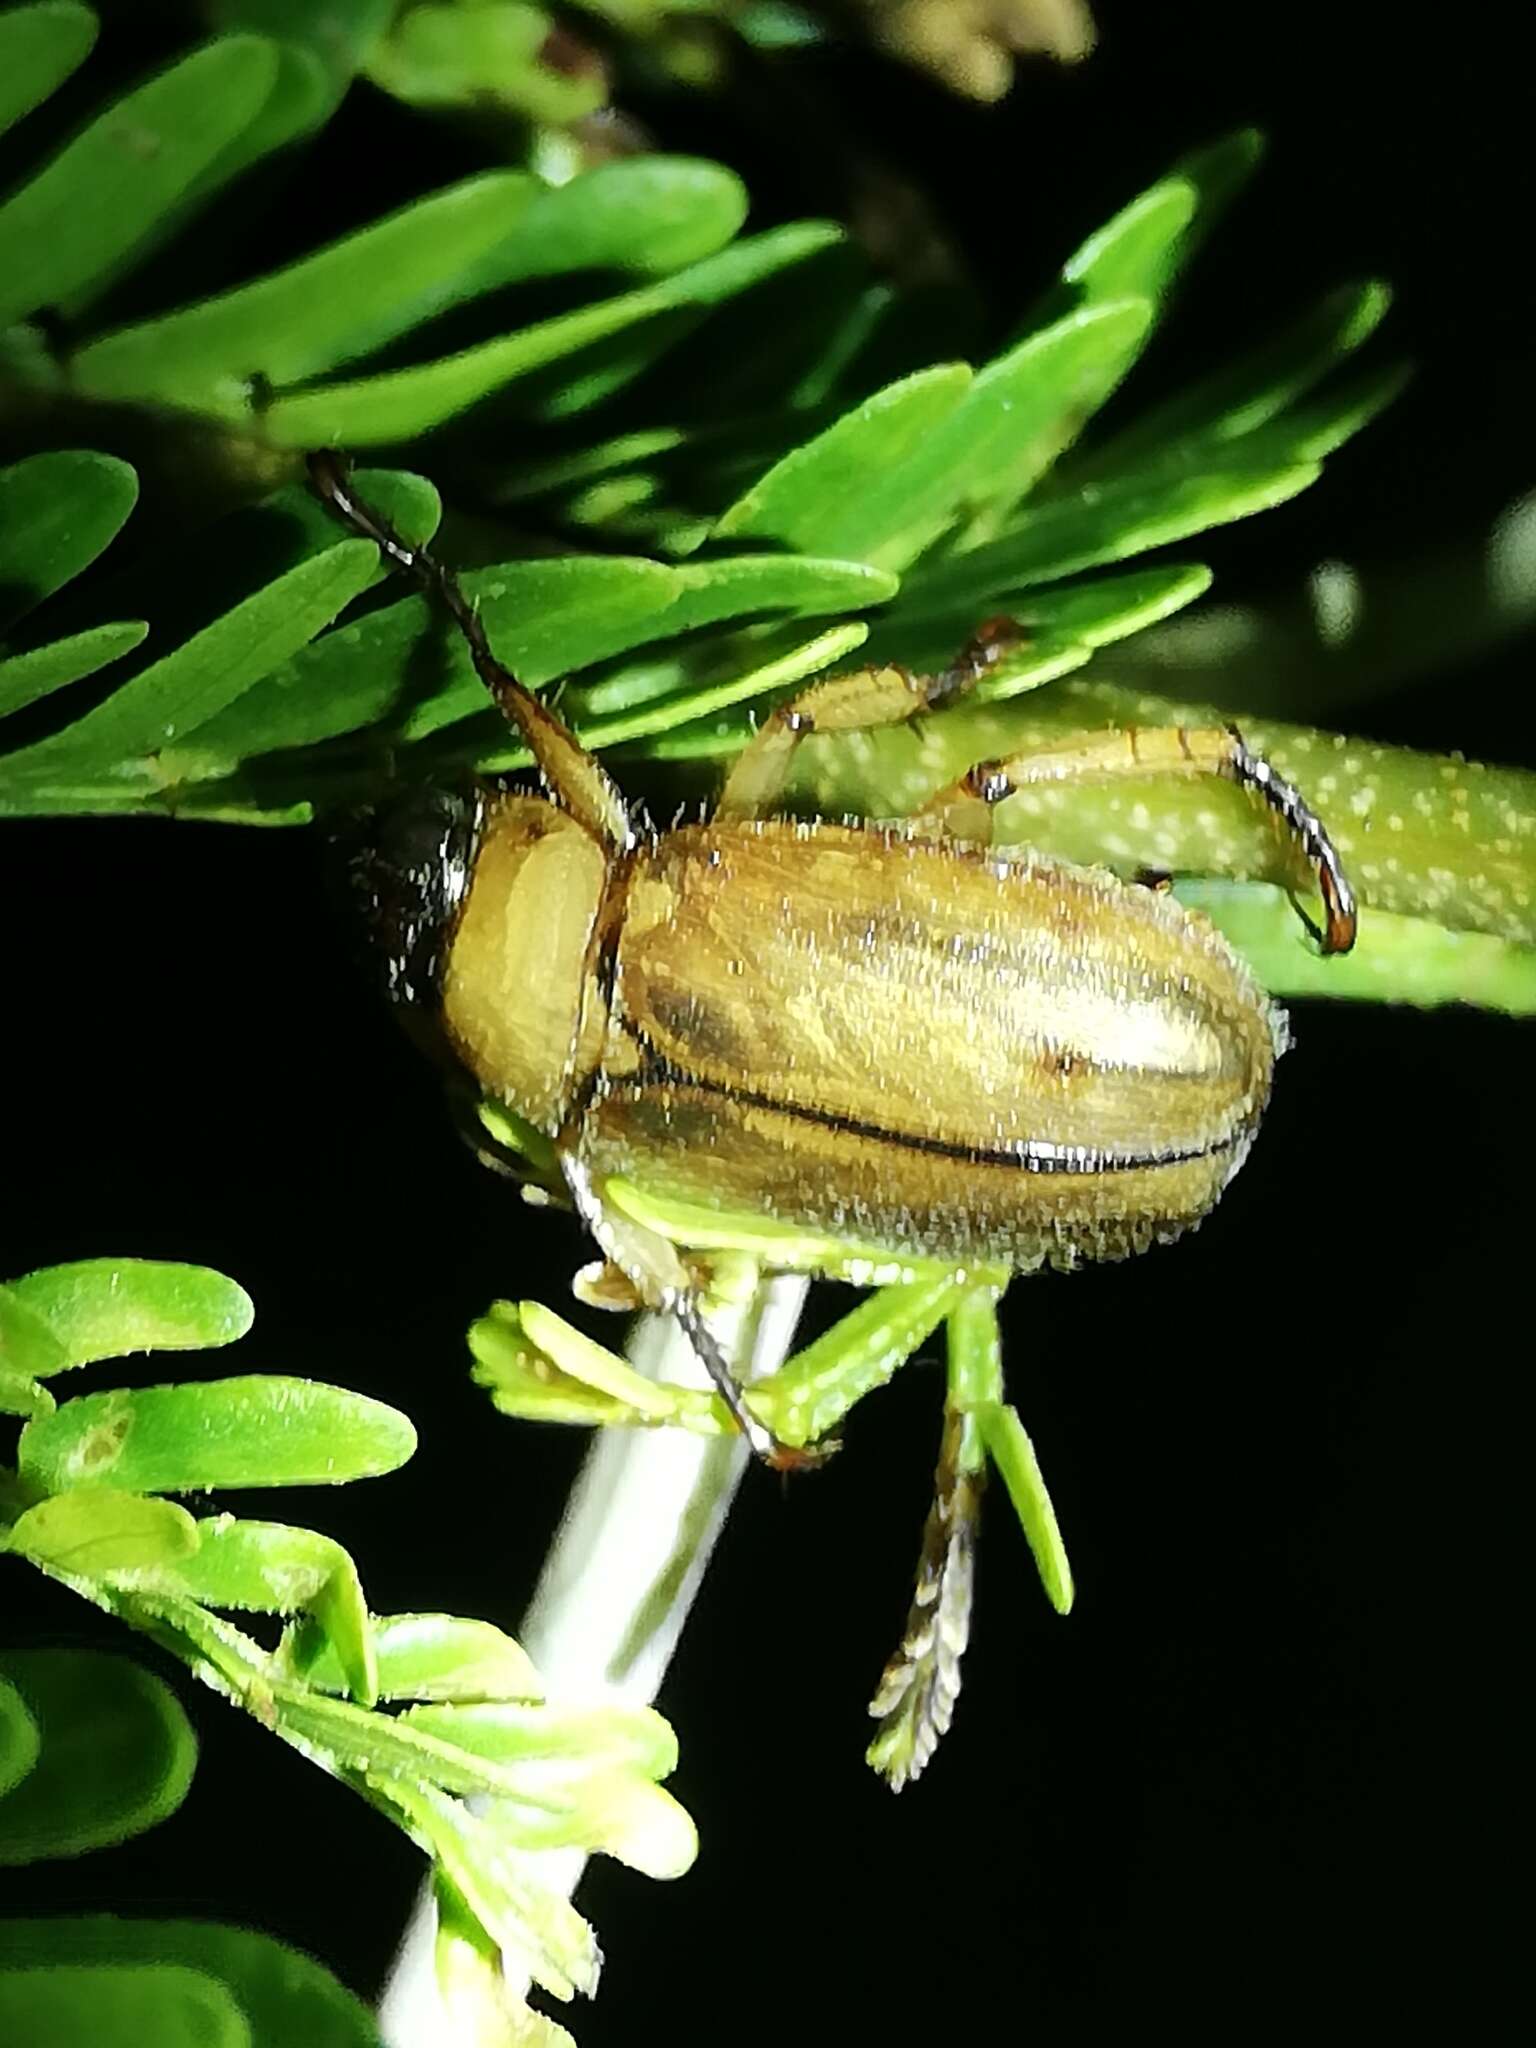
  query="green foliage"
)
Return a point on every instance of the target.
[
  {"x": 438, "y": 1721},
  {"x": 178, "y": 1983},
  {"x": 93, "y": 1750},
  {"x": 537, "y": 1367},
  {"x": 116, "y": 1753},
  {"x": 727, "y": 408}
]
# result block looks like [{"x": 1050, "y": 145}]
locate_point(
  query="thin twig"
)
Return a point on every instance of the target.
[{"x": 617, "y": 1585}]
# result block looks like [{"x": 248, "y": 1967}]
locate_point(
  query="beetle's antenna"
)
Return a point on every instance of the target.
[
  {"x": 574, "y": 779},
  {"x": 330, "y": 474}
]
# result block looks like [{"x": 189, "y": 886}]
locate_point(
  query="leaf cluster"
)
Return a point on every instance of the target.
[{"x": 438, "y": 1721}]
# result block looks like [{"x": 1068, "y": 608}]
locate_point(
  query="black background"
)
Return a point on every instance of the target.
[{"x": 1268, "y": 1770}]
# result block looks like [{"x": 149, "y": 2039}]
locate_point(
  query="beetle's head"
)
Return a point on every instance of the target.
[
  {"x": 481, "y": 908},
  {"x": 405, "y": 869}
]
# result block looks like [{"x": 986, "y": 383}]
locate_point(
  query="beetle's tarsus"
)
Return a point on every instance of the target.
[
  {"x": 1340, "y": 916},
  {"x": 761, "y": 1441},
  {"x": 915, "y": 1700}
]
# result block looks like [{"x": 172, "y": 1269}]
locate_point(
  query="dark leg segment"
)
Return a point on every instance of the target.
[
  {"x": 960, "y": 811},
  {"x": 571, "y": 775}
]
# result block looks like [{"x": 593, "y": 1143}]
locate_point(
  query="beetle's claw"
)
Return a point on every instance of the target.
[{"x": 784, "y": 1457}]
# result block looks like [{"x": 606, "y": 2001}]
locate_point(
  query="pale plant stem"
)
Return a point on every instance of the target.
[{"x": 617, "y": 1584}]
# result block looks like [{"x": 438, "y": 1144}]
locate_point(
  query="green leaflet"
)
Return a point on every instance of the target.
[
  {"x": 106, "y": 190},
  {"x": 106, "y": 1308},
  {"x": 119, "y": 2005},
  {"x": 822, "y": 497},
  {"x": 1084, "y": 530},
  {"x": 483, "y": 58},
  {"x": 256, "y": 1430},
  {"x": 1396, "y": 959},
  {"x": 182, "y": 690},
  {"x": 437, "y": 1657},
  {"x": 397, "y": 404},
  {"x": 1144, "y": 249},
  {"x": 27, "y": 1345},
  {"x": 57, "y": 513},
  {"x": 1020, "y": 413},
  {"x": 346, "y": 299},
  {"x": 20, "y": 1741},
  {"x": 115, "y": 1754},
  {"x": 1249, "y": 392},
  {"x": 39, "y": 47},
  {"x": 652, "y": 214},
  {"x": 28, "y": 678},
  {"x": 93, "y": 1530},
  {"x": 527, "y": 1921},
  {"x": 1090, "y": 614},
  {"x": 586, "y": 1738},
  {"x": 272, "y": 1568},
  {"x": 284, "y": 1996}
]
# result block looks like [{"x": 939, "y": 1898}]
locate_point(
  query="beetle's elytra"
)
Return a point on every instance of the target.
[{"x": 896, "y": 1037}]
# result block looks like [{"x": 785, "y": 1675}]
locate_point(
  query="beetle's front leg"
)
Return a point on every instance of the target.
[
  {"x": 655, "y": 1269},
  {"x": 860, "y": 701},
  {"x": 963, "y": 810}
]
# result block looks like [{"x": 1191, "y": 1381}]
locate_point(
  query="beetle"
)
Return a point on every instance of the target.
[
  {"x": 716, "y": 1012},
  {"x": 889, "y": 1044}
]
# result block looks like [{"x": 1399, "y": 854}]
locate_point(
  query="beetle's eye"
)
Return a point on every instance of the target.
[{"x": 405, "y": 867}]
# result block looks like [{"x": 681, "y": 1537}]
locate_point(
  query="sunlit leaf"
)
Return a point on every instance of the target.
[
  {"x": 106, "y": 1308},
  {"x": 826, "y": 497},
  {"x": 271, "y": 1568},
  {"x": 438, "y": 1657},
  {"x": 254, "y": 1430},
  {"x": 397, "y": 404},
  {"x": 339, "y": 303},
  {"x": 94, "y": 1529},
  {"x": 607, "y": 1738}
]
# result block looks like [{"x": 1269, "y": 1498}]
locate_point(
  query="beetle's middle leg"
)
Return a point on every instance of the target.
[
  {"x": 962, "y": 811},
  {"x": 860, "y": 701}
]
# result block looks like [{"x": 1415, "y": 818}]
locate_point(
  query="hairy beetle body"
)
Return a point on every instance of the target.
[
  {"x": 899, "y": 1040},
  {"x": 922, "y": 1047}
]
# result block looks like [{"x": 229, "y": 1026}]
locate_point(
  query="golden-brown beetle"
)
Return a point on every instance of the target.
[{"x": 898, "y": 1038}]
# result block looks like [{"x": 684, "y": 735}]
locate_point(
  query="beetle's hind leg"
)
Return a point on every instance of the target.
[
  {"x": 860, "y": 701},
  {"x": 962, "y": 811}
]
